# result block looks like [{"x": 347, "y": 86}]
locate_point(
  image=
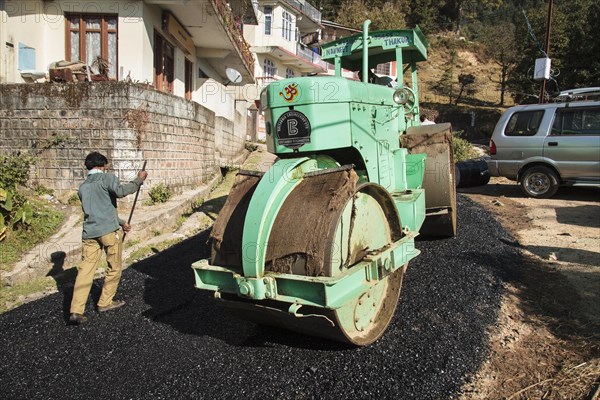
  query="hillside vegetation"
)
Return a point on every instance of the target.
[
  {"x": 478, "y": 108},
  {"x": 510, "y": 33}
]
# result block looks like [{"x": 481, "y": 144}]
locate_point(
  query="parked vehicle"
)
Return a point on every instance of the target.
[{"x": 544, "y": 146}]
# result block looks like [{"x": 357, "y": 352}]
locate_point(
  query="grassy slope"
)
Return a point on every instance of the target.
[
  {"x": 484, "y": 103},
  {"x": 470, "y": 59}
]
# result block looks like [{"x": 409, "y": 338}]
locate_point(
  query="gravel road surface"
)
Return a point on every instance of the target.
[{"x": 172, "y": 341}]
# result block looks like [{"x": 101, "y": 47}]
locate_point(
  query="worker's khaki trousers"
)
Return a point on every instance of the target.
[{"x": 92, "y": 250}]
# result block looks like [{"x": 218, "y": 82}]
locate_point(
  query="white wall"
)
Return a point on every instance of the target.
[
  {"x": 280, "y": 68},
  {"x": 179, "y": 84},
  {"x": 216, "y": 97},
  {"x": 135, "y": 50},
  {"x": 255, "y": 35},
  {"x": 4, "y": 49},
  {"x": 24, "y": 26},
  {"x": 41, "y": 25}
]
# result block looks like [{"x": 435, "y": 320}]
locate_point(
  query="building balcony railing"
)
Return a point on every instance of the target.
[
  {"x": 307, "y": 9},
  {"x": 233, "y": 23},
  {"x": 308, "y": 54}
]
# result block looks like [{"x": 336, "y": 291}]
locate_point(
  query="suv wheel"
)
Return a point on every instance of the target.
[{"x": 540, "y": 182}]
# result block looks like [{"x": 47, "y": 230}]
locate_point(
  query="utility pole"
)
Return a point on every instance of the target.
[{"x": 547, "y": 46}]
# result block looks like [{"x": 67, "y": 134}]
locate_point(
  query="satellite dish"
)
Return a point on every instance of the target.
[{"x": 233, "y": 75}]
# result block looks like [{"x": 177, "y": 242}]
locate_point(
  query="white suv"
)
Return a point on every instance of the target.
[{"x": 543, "y": 146}]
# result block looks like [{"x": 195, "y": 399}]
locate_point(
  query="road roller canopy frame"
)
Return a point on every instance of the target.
[{"x": 320, "y": 242}]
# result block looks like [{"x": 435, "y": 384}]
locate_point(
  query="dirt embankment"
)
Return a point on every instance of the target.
[{"x": 546, "y": 344}]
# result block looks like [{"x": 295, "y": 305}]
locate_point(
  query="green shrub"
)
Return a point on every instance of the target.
[
  {"x": 14, "y": 170},
  {"x": 42, "y": 223},
  {"x": 461, "y": 148},
  {"x": 159, "y": 194},
  {"x": 15, "y": 210},
  {"x": 14, "y": 207},
  {"x": 42, "y": 190},
  {"x": 73, "y": 200}
]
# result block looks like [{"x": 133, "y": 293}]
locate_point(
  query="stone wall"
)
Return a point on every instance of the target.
[{"x": 183, "y": 142}]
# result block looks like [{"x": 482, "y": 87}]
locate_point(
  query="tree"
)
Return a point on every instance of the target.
[
  {"x": 329, "y": 8},
  {"x": 445, "y": 86},
  {"x": 424, "y": 13},
  {"x": 581, "y": 64},
  {"x": 463, "y": 13},
  {"x": 352, "y": 13},
  {"x": 391, "y": 15},
  {"x": 500, "y": 44},
  {"x": 465, "y": 80},
  {"x": 383, "y": 15}
]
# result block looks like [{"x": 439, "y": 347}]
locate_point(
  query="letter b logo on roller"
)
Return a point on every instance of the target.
[
  {"x": 292, "y": 124},
  {"x": 293, "y": 129}
]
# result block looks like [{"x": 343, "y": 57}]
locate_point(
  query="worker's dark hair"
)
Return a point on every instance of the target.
[{"x": 95, "y": 159}]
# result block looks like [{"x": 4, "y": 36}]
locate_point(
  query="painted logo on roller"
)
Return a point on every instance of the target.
[
  {"x": 290, "y": 92},
  {"x": 293, "y": 129}
]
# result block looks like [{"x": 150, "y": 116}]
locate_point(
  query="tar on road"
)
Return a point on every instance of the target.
[{"x": 173, "y": 341}]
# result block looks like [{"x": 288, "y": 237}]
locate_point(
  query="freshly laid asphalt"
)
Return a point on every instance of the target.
[{"x": 172, "y": 341}]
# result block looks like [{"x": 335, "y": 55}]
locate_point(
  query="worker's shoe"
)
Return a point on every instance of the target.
[
  {"x": 114, "y": 304},
  {"x": 76, "y": 319}
]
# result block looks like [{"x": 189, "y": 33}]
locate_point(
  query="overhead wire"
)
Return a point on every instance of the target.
[{"x": 532, "y": 34}]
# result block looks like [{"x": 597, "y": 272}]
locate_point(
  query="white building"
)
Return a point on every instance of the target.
[
  {"x": 179, "y": 46},
  {"x": 283, "y": 43}
]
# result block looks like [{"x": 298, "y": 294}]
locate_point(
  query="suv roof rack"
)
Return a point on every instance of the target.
[{"x": 578, "y": 94}]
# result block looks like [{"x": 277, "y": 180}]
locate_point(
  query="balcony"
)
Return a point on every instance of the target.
[
  {"x": 307, "y": 63},
  {"x": 215, "y": 28},
  {"x": 308, "y": 18},
  {"x": 306, "y": 9},
  {"x": 309, "y": 55},
  {"x": 233, "y": 23}
]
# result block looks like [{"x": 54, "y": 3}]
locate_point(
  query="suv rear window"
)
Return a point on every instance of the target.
[
  {"x": 524, "y": 123},
  {"x": 581, "y": 121}
]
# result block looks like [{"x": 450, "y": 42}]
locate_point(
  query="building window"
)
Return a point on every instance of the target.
[
  {"x": 384, "y": 69},
  {"x": 287, "y": 25},
  {"x": 164, "y": 64},
  {"x": 268, "y": 10},
  {"x": 188, "y": 79},
  {"x": 289, "y": 73},
  {"x": 90, "y": 36},
  {"x": 269, "y": 68}
]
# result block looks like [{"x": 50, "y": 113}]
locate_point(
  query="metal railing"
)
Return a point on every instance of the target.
[
  {"x": 306, "y": 8},
  {"x": 233, "y": 23},
  {"x": 308, "y": 54}
]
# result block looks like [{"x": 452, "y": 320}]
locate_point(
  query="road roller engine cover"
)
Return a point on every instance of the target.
[{"x": 320, "y": 242}]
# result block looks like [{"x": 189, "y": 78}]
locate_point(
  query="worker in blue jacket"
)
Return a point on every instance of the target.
[{"x": 102, "y": 230}]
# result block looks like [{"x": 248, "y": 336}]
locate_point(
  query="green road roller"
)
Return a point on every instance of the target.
[{"x": 320, "y": 242}]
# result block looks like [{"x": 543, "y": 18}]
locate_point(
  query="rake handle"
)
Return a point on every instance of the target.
[{"x": 134, "y": 201}]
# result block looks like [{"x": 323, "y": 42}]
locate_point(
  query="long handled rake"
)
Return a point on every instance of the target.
[{"x": 134, "y": 201}]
